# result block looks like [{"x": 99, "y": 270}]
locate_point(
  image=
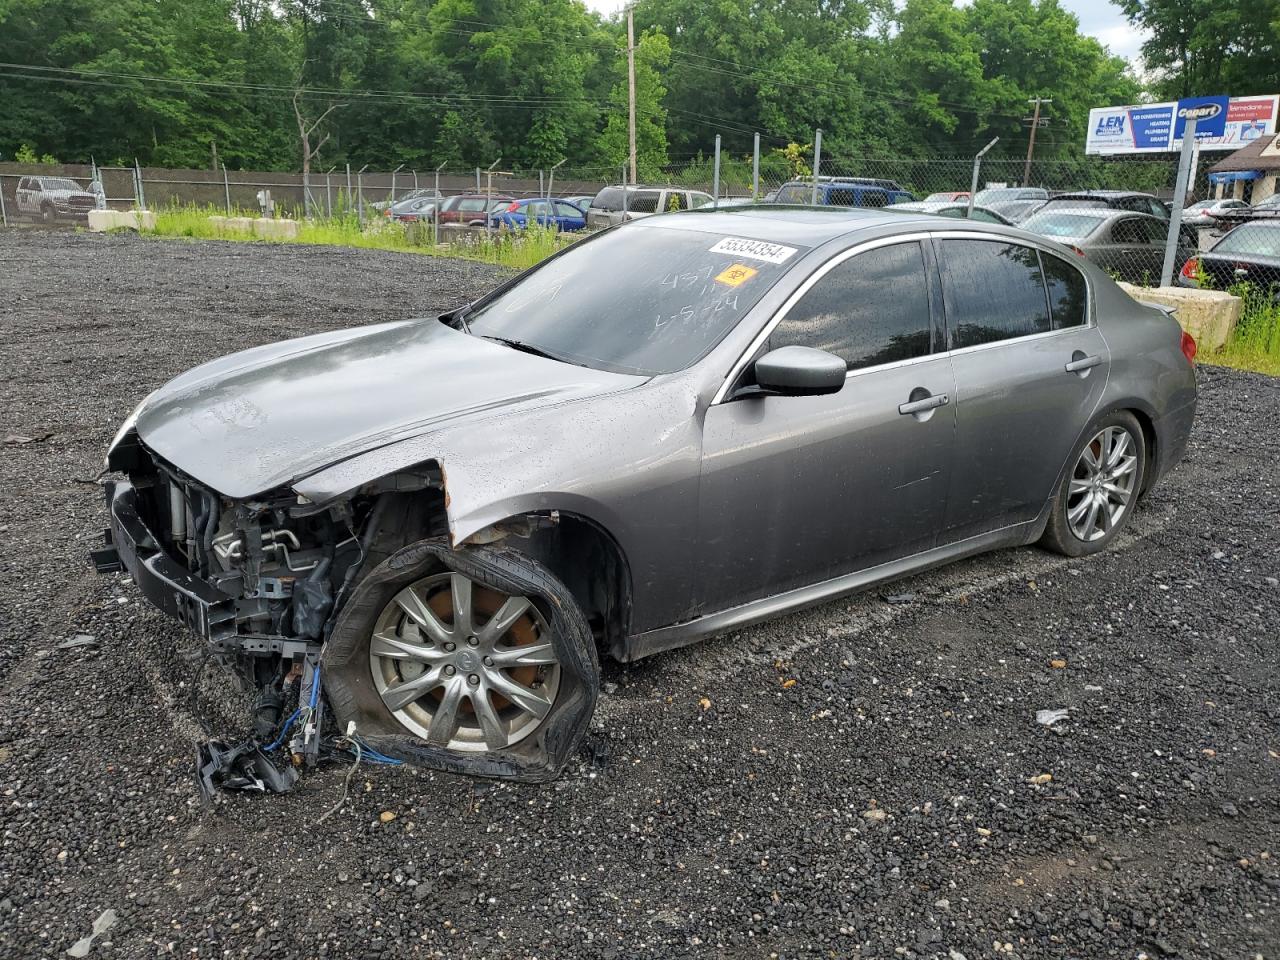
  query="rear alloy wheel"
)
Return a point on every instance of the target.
[
  {"x": 1101, "y": 488},
  {"x": 475, "y": 660}
]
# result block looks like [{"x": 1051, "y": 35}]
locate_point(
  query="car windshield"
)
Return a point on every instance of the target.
[
  {"x": 638, "y": 300},
  {"x": 1069, "y": 225},
  {"x": 59, "y": 183},
  {"x": 1077, "y": 203},
  {"x": 1251, "y": 239}
]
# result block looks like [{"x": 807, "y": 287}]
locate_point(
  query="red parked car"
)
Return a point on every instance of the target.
[{"x": 470, "y": 207}]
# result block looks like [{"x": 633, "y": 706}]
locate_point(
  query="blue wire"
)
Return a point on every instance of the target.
[{"x": 287, "y": 724}]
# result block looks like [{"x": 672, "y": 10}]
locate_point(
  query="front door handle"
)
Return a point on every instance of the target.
[
  {"x": 1079, "y": 362},
  {"x": 927, "y": 403}
]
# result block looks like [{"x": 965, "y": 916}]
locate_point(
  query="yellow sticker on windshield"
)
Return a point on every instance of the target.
[{"x": 736, "y": 275}]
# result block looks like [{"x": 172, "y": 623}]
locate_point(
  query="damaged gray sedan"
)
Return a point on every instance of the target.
[{"x": 421, "y": 535}]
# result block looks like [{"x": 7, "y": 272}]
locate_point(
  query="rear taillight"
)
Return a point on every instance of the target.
[
  {"x": 1078, "y": 252},
  {"x": 1190, "y": 271},
  {"x": 386, "y": 212},
  {"x": 1188, "y": 347}
]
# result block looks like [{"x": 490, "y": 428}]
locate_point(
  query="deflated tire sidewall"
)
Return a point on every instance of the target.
[{"x": 353, "y": 696}]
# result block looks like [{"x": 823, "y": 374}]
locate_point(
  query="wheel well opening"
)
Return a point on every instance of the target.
[
  {"x": 589, "y": 562},
  {"x": 1149, "y": 442}
]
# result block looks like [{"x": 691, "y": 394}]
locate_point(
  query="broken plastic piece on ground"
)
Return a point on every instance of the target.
[
  {"x": 900, "y": 597},
  {"x": 1048, "y": 718},
  {"x": 106, "y": 920},
  {"x": 79, "y": 640},
  {"x": 244, "y": 767}
]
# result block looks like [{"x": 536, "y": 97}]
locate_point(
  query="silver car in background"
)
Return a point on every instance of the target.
[
  {"x": 1129, "y": 246},
  {"x": 614, "y": 205},
  {"x": 670, "y": 430}
]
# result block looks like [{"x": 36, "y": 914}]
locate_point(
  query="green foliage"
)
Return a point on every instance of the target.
[
  {"x": 534, "y": 82},
  {"x": 1255, "y": 342},
  {"x": 1198, "y": 49}
]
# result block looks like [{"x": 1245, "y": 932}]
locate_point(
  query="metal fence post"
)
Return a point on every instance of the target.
[
  {"x": 348, "y": 184},
  {"x": 755, "y": 169},
  {"x": 1179, "y": 201},
  {"x": 488, "y": 197},
  {"x": 977, "y": 164},
  {"x": 551, "y": 179},
  {"x": 142, "y": 196},
  {"x": 360, "y": 194},
  {"x": 624, "y": 193},
  {"x": 4, "y": 217},
  {"x": 542, "y": 183},
  {"x": 393, "y": 182},
  {"x": 435, "y": 213},
  {"x": 477, "y": 179},
  {"x": 817, "y": 164},
  {"x": 328, "y": 194},
  {"x": 306, "y": 194},
  {"x": 226, "y": 189},
  {"x": 715, "y": 177}
]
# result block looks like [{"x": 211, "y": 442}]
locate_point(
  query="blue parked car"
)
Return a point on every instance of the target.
[
  {"x": 549, "y": 213},
  {"x": 845, "y": 192}
]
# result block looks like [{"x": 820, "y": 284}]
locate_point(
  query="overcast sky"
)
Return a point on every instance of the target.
[{"x": 1098, "y": 18}]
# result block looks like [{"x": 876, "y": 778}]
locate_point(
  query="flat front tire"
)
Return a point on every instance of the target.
[
  {"x": 475, "y": 660},
  {"x": 1100, "y": 490}
]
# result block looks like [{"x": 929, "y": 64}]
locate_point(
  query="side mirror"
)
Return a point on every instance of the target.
[{"x": 799, "y": 372}]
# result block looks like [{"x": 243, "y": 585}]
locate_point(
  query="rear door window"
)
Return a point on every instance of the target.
[
  {"x": 1128, "y": 230},
  {"x": 871, "y": 309},
  {"x": 676, "y": 200},
  {"x": 644, "y": 201},
  {"x": 1068, "y": 292},
  {"x": 991, "y": 291}
]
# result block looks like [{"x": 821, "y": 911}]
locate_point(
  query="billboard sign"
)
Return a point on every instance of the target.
[{"x": 1222, "y": 123}]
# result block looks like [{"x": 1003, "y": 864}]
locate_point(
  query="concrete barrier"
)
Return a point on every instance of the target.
[
  {"x": 1208, "y": 315},
  {"x": 275, "y": 229},
  {"x": 100, "y": 221},
  {"x": 238, "y": 225}
]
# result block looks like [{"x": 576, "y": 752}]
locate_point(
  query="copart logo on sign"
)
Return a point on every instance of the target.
[{"x": 1206, "y": 111}]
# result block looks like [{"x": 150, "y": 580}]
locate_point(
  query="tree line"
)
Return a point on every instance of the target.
[{"x": 276, "y": 84}]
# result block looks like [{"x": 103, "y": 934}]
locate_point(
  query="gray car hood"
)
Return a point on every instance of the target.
[{"x": 257, "y": 420}]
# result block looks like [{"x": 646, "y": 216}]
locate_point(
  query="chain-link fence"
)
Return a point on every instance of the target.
[{"x": 1115, "y": 211}]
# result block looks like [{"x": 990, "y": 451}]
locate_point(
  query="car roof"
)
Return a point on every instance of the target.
[
  {"x": 812, "y": 226},
  {"x": 1102, "y": 194}
]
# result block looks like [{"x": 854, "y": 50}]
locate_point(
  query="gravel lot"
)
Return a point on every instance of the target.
[{"x": 892, "y": 801}]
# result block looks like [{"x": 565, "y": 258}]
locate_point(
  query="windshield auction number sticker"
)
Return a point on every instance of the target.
[
  {"x": 754, "y": 249},
  {"x": 736, "y": 275}
]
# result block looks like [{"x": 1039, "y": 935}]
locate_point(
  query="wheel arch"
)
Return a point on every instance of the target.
[
  {"x": 1147, "y": 418},
  {"x": 584, "y": 555}
]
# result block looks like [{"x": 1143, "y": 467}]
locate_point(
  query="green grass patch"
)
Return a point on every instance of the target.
[
  {"x": 515, "y": 250},
  {"x": 1255, "y": 342}
]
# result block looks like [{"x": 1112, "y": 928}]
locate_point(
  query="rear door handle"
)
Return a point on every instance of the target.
[
  {"x": 928, "y": 403},
  {"x": 1083, "y": 363}
]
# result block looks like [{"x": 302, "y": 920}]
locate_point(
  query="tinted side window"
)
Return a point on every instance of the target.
[
  {"x": 871, "y": 309},
  {"x": 841, "y": 197},
  {"x": 676, "y": 201},
  {"x": 875, "y": 198},
  {"x": 992, "y": 291},
  {"x": 1068, "y": 292}
]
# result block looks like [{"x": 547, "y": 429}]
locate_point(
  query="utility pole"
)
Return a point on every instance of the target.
[
  {"x": 631, "y": 89},
  {"x": 1031, "y": 145}
]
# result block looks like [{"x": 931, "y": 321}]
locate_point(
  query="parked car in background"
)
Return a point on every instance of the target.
[
  {"x": 665, "y": 433},
  {"x": 614, "y": 205},
  {"x": 548, "y": 213},
  {"x": 414, "y": 208},
  {"x": 1248, "y": 254},
  {"x": 1262, "y": 210},
  {"x": 1129, "y": 246},
  {"x": 469, "y": 208},
  {"x": 844, "y": 192},
  {"x": 1129, "y": 200},
  {"x": 996, "y": 195},
  {"x": 1015, "y": 211},
  {"x": 947, "y": 195},
  {"x": 1206, "y": 213},
  {"x": 382, "y": 206},
  {"x": 949, "y": 209},
  {"x": 53, "y": 198},
  {"x": 581, "y": 201}
]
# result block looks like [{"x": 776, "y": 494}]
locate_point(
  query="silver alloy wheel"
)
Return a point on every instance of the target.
[
  {"x": 1102, "y": 484},
  {"x": 462, "y": 665}
]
